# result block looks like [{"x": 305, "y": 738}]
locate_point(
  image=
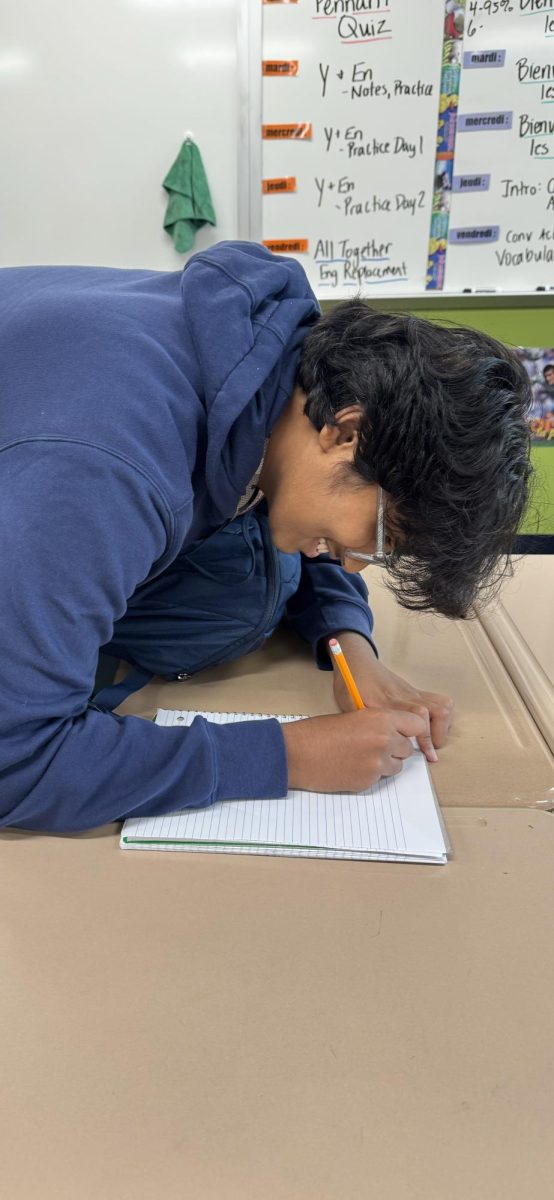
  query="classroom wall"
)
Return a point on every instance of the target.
[{"x": 95, "y": 99}]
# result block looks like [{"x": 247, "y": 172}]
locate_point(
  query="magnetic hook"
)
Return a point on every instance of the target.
[{"x": 189, "y": 136}]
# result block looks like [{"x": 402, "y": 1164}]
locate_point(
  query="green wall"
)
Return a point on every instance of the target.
[{"x": 531, "y": 323}]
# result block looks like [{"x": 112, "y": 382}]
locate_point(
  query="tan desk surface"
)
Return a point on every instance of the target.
[
  {"x": 237, "y": 1028},
  {"x": 520, "y": 626},
  {"x": 528, "y": 599},
  {"x": 495, "y": 755}
]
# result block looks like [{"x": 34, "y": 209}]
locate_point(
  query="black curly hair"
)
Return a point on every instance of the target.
[{"x": 444, "y": 433}]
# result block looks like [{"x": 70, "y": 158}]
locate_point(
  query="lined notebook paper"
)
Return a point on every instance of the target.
[{"x": 397, "y": 820}]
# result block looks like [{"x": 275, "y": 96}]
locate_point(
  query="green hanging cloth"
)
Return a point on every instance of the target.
[{"x": 190, "y": 205}]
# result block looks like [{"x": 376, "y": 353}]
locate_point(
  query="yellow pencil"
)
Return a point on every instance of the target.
[{"x": 346, "y": 673}]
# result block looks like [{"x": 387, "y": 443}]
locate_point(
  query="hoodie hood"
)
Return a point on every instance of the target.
[
  {"x": 247, "y": 312},
  {"x": 182, "y": 374}
]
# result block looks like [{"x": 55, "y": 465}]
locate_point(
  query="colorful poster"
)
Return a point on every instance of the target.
[
  {"x": 454, "y": 16},
  {"x": 539, "y": 364}
]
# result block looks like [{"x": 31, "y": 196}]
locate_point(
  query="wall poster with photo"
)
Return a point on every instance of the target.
[{"x": 539, "y": 364}]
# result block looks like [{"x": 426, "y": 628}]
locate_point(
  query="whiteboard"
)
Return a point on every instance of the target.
[
  {"x": 95, "y": 99},
  {"x": 390, "y": 131},
  {"x": 501, "y": 230}
]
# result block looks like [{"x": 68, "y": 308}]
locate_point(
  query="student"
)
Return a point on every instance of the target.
[
  {"x": 548, "y": 385},
  {"x": 141, "y": 411}
]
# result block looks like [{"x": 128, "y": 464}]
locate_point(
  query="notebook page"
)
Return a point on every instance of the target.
[{"x": 396, "y": 819}]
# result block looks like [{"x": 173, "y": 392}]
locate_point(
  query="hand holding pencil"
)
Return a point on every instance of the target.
[
  {"x": 360, "y": 678},
  {"x": 350, "y": 752}
]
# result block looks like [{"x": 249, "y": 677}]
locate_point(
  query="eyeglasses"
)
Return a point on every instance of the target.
[{"x": 381, "y": 556}]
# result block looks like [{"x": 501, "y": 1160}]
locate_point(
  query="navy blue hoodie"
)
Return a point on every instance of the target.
[{"x": 135, "y": 405}]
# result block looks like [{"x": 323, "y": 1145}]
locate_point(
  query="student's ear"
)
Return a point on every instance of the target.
[{"x": 343, "y": 435}]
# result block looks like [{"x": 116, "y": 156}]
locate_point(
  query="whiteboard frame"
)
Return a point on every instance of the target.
[
  {"x": 249, "y": 65},
  {"x": 471, "y": 301}
]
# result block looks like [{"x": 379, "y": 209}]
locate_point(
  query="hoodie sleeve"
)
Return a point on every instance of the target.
[
  {"x": 68, "y": 566},
  {"x": 327, "y": 601}
]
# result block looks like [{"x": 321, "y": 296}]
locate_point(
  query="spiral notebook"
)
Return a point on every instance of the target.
[{"x": 397, "y": 820}]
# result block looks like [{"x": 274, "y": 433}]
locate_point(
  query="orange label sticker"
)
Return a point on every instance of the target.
[
  {"x": 283, "y": 132},
  {"x": 280, "y": 66},
  {"x": 286, "y": 184},
  {"x": 298, "y": 246}
]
